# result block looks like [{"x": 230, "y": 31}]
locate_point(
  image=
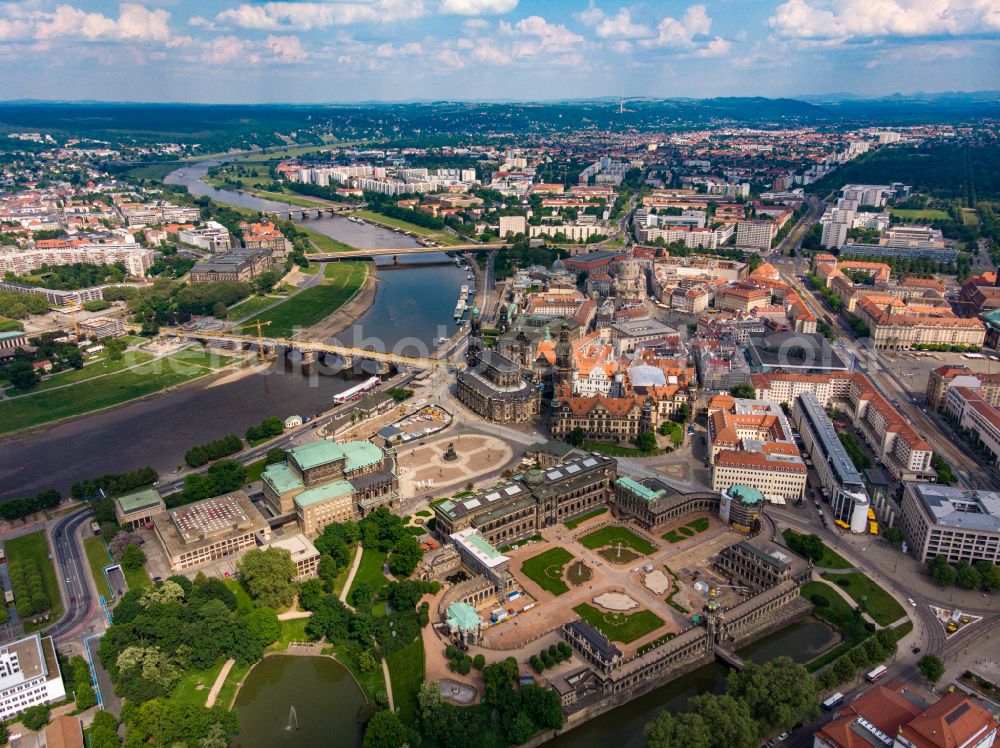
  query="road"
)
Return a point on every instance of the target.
[{"x": 74, "y": 575}]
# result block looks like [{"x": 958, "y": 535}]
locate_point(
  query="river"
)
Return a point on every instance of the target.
[
  {"x": 413, "y": 306},
  {"x": 802, "y": 641}
]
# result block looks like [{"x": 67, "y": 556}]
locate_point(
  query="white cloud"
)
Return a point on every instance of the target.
[
  {"x": 674, "y": 33},
  {"x": 591, "y": 16},
  {"x": 477, "y": 7},
  {"x": 274, "y": 16},
  {"x": 14, "y": 30},
  {"x": 386, "y": 51},
  {"x": 201, "y": 23},
  {"x": 134, "y": 23},
  {"x": 450, "y": 59},
  {"x": 487, "y": 52},
  {"x": 286, "y": 49},
  {"x": 227, "y": 49},
  {"x": 844, "y": 19},
  {"x": 715, "y": 48},
  {"x": 554, "y": 36},
  {"x": 621, "y": 26}
]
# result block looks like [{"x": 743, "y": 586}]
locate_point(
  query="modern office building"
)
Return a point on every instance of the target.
[
  {"x": 210, "y": 530},
  {"x": 841, "y": 483},
  {"x": 29, "y": 675},
  {"x": 960, "y": 524}
]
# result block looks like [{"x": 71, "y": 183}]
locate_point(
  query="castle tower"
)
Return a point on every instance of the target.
[
  {"x": 475, "y": 340},
  {"x": 564, "y": 359}
]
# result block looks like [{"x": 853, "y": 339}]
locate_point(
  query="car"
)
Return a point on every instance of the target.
[
  {"x": 72, "y": 601},
  {"x": 782, "y": 737},
  {"x": 912, "y": 602},
  {"x": 916, "y": 650}
]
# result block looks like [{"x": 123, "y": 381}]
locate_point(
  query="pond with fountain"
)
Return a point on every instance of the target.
[{"x": 299, "y": 701}]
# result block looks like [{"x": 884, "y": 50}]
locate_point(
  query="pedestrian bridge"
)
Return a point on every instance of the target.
[{"x": 728, "y": 657}]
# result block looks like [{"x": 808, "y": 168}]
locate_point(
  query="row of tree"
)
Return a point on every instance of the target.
[
  {"x": 114, "y": 484},
  {"x": 30, "y": 597},
  {"x": 202, "y": 454},
  {"x": 759, "y": 701},
  {"x": 19, "y": 508},
  {"x": 266, "y": 429},
  {"x": 978, "y": 575}
]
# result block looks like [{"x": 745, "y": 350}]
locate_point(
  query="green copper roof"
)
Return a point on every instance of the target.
[
  {"x": 324, "y": 493},
  {"x": 358, "y": 454},
  {"x": 13, "y": 335},
  {"x": 483, "y": 545},
  {"x": 638, "y": 489},
  {"x": 281, "y": 478},
  {"x": 463, "y": 617},
  {"x": 134, "y": 502},
  {"x": 746, "y": 494}
]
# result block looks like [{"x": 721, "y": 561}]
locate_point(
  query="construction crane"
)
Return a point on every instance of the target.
[
  {"x": 260, "y": 334},
  {"x": 74, "y": 307}
]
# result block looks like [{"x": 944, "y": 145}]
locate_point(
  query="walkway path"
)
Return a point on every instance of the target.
[
  {"x": 388, "y": 685},
  {"x": 219, "y": 680},
  {"x": 291, "y": 615},
  {"x": 816, "y": 577},
  {"x": 354, "y": 570}
]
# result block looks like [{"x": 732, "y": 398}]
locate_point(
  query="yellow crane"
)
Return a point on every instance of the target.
[
  {"x": 74, "y": 307},
  {"x": 260, "y": 334}
]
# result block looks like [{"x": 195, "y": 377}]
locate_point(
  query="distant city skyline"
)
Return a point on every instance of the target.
[{"x": 228, "y": 51}]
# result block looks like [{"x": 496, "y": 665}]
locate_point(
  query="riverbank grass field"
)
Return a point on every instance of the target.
[
  {"x": 34, "y": 547},
  {"x": 612, "y": 536},
  {"x": 341, "y": 282},
  {"x": 546, "y": 569},
  {"x": 875, "y": 601},
  {"x": 148, "y": 378},
  {"x": 620, "y": 627},
  {"x": 98, "y": 368}
]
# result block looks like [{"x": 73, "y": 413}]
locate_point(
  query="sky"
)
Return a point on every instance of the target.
[{"x": 259, "y": 51}]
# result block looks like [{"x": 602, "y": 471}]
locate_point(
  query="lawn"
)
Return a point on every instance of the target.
[
  {"x": 35, "y": 546},
  {"x": 318, "y": 302},
  {"x": 620, "y": 627},
  {"x": 370, "y": 569},
  {"x": 95, "y": 369},
  {"x": 572, "y": 524},
  {"x": 832, "y": 608},
  {"x": 187, "y": 692},
  {"x": 613, "y": 536},
  {"x": 137, "y": 579},
  {"x": 243, "y": 602},
  {"x": 684, "y": 532},
  {"x": 10, "y": 325},
  {"x": 255, "y": 470},
  {"x": 619, "y": 555},
  {"x": 154, "y": 171},
  {"x": 291, "y": 631},
  {"x": 98, "y": 558},
  {"x": 251, "y": 306},
  {"x": 546, "y": 569},
  {"x": 878, "y": 603},
  {"x": 439, "y": 235},
  {"x": 115, "y": 389},
  {"x": 829, "y": 560},
  {"x": 231, "y": 685},
  {"x": 406, "y": 671},
  {"x": 920, "y": 215}
]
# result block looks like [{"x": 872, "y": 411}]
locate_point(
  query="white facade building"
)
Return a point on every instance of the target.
[{"x": 29, "y": 675}]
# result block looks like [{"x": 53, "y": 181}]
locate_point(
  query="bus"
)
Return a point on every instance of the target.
[
  {"x": 877, "y": 673},
  {"x": 357, "y": 391},
  {"x": 834, "y": 701}
]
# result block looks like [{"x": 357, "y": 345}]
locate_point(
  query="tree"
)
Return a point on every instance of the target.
[
  {"x": 263, "y": 625},
  {"x": 646, "y": 441},
  {"x": 385, "y": 730},
  {"x": 778, "y": 693},
  {"x": 268, "y": 576},
  {"x": 133, "y": 557},
  {"x": 104, "y": 730},
  {"x": 931, "y": 667},
  {"x": 520, "y": 729},
  {"x": 745, "y": 391},
  {"x": 22, "y": 375},
  {"x": 893, "y": 535},
  {"x": 942, "y": 572},
  {"x": 35, "y": 717},
  {"x": 967, "y": 576},
  {"x": 577, "y": 436}
]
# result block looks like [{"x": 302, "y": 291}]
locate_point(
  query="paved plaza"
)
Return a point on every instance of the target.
[
  {"x": 614, "y": 586},
  {"x": 423, "y": 467}
]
